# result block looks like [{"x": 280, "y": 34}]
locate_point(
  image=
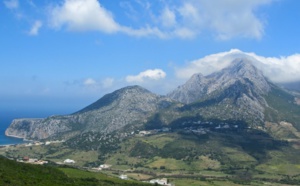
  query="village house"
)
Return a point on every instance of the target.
[
  {"x": 69, "y": 161},
  {"x": 144, "y": 132},
  {"x": 123, "y": 177},
  {"x": 163, "y": 181},
  {"x": 97, "y": 168},
  {"x": 104, "y": 166},
  {"x": 25, "y": 158}
]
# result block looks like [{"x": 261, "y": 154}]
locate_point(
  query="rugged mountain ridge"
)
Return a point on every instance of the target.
[
  {"x": 236, "y": 92},
  {"x": 241, "y": 70},
  {"x": 239, "y": 92}
]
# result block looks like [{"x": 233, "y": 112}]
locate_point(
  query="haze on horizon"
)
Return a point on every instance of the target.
[{"x": 68, "y": 53}]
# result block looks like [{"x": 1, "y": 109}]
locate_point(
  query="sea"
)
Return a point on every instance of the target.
[{"x": 7, "y": 116}]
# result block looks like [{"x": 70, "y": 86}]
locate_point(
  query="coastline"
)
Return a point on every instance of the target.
[
  {"x": 18, "y": 137},
  {"x": 8, "y": 145},
  {"x": 7, "y": 140},
  {"x": 13, "y": 136},
  {"x": 8, "y": 116}
]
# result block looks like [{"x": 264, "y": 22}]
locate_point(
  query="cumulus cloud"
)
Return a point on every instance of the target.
[
  {"x": 150, "y": 74},
  {"x": 35, "y": 28},
  {"x": 11, "y": 4},
  {"x": 90, "y": 15},
  {"x": 83, "y": 15},
  {"x": 224, "y": 18},
  {"x": 277, "y": 69}
]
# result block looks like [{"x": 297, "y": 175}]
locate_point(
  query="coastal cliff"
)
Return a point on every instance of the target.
[{"x": 36, "y": 128}]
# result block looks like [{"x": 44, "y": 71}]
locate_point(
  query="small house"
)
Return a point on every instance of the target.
[
  {"x": 69, "y": 161},
  {"x": 123, "y": 177}
]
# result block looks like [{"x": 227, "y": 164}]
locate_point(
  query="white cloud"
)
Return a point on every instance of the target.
[
  {"x": 89, "y": 82},
  {"x": 35, "y": 28},
  {"x": 11, "y": 4},
  {"x": 83, "y": 15},
  {"x": 225, "y": 19},
  {"x": 90, "y": 15},
  {"x": 150, "y": 74},
  {"x": 277, "y": 69}
]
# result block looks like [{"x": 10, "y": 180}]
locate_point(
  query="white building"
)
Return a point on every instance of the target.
[
  {"x": 69, "y": 161},
  {"x": 163, "y": 181},
  {"x": 123, "y": 177},
  {"x": 104, "y": 166},
  {"x": 143, "y": 133}
]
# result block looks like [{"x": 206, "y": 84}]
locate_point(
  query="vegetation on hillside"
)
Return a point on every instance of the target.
[{"x": 13, "y": 173}]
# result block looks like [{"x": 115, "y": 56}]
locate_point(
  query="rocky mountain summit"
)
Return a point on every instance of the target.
[
  {"x": 239, "y": 92},
  {"x": 241, "y": 71},
  {"x": 236, "y": 92}
]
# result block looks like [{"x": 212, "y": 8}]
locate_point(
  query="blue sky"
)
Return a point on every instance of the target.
[{"x": 65, "y": 54}]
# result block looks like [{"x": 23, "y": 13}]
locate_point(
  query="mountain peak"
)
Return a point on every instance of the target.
[
  {"x": 241, "y": 69},
  {"x": 242, "y": 65},
  {"x": 133, "y": 89},
  {"x": 118, "y": 95}
]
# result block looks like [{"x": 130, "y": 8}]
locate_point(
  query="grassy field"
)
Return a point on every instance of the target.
[
  {"x": 189, "y": 182},
  {"x": 75, "y": 173}
]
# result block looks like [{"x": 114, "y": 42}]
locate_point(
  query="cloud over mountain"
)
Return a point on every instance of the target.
[{"x": 277, "y": 69}]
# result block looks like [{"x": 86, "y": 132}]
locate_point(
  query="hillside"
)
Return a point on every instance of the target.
[
  {"x": 21, "y": 174},
  {"x": 127, "y": 106}
]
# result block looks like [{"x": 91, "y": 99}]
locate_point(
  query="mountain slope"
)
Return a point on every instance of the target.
[{"x": 129, "y": 105}]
